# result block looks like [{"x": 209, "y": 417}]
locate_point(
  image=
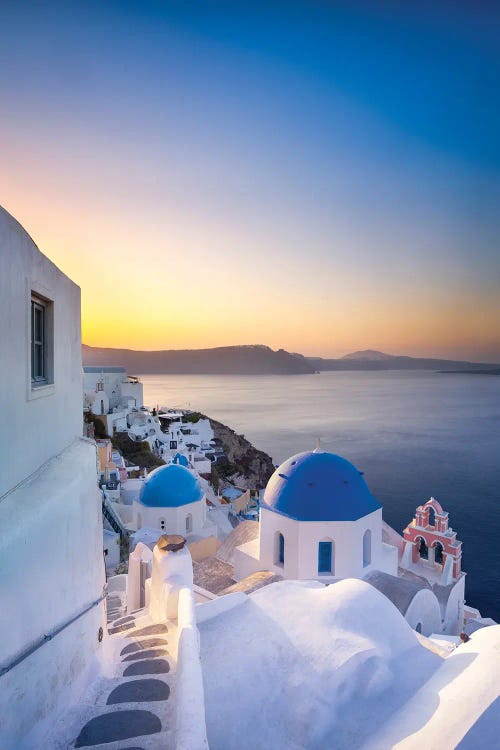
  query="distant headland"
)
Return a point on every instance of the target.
[
  {"x": 262, "y": 360},
  {"x": 224, "y": 360},
  {"x": 373, "y": 360}
]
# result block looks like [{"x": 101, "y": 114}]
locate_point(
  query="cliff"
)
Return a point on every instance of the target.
[
  {"x": 248, "y": 468},
  {"x": 261, "y": 360},
  {"x": 225, "y": 360}
]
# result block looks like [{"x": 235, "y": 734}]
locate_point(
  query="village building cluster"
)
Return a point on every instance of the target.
[{"x": 145, "y": 609}]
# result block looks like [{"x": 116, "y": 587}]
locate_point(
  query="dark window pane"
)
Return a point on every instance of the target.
[
  {"x": 37, "y": 341},
  {"x": 38, "y": 361},
  {"x": 38, "y": 324},
  {"x": 324, "y": 557}
]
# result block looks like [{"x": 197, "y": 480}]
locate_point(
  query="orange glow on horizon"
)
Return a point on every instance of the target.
[{"x": 169, "y": 288}]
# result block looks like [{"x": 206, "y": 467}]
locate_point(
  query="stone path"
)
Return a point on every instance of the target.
[{"x": 132, "y": 710}]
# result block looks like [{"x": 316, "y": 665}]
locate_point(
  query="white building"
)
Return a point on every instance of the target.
[
  {"x": 50, "y": 508},
  {"x": 144, "y": 426},
  {"x": 113, "y": 383},
  {"x": 172, "y": 500},
  {"x": 192, "y": 439},
  {"x": 318, "y": 520},
  {"x": 110, "y": 393}
]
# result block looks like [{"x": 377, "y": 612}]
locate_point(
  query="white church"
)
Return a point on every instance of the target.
[
  {"x": 171, "y": 499},
  {"x": 319, "y": 520}
]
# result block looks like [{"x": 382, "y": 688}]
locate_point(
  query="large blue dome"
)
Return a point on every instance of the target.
[
  {"x": 170, "y": 487},
  {"x": 319, "y": 486}
]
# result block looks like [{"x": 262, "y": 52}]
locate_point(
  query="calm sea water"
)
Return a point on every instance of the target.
[{"x": 415, "y": 435}]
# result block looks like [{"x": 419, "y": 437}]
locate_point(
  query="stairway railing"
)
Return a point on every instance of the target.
[
  {"x": 112, "y": 516},
  {"x": 43, "y": 639}
]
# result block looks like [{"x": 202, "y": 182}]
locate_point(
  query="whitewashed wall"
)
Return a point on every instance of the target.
[
  {"x": 301, "y": 545},
  {"x": 133, "y": 391},
  {"x": 36, "y": 425},
  {"x": 175, "y": 518},
  {"x": 454, "y": 613},
  {"x": 111, "y": 384},
  {"x": 424, "y": 610},
  {"x": 111, "y": 544},
  {"x": 51, "y": 564},
  {"x": 51, "y": 559}
]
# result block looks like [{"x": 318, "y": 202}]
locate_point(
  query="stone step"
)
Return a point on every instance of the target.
[
  {"x": 117, "y": 726},
  {"x": 157, "y": 741},
  {"x": 150, "y": 653},
  {"x": 148, "y": 666},
  {"x": 143, "y": 644},
  {"x": 133, "y": 710}
]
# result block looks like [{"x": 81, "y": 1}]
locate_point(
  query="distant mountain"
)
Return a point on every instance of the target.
[
  {"x": 373, "y": 360},
  {"x": 226, "y": 360},
  {"x": 368, "y": 355},
  {"x": 261, "y": 360}
]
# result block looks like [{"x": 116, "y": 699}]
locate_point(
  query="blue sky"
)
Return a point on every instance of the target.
[{"x": 329, "y": 170}]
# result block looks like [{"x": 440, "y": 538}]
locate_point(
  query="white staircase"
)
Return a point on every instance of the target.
[{"x": 132, "y": 708}]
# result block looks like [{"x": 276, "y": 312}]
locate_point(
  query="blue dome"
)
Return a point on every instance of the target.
[
  {"x": 170, "y": 487},
  {"x": 319, "y": 486},
  {"x": 180, "y": 459}
]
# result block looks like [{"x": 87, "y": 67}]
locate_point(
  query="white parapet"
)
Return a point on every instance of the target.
[
  {"x": 190, "y": 721},
  {"x": 172, "y": 598}
]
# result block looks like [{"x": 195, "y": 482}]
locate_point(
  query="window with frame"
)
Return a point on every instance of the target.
[
  {"x": 279, "y": 549},
  {"x": 41, "y": 365},
  {"x": 325, "y": 557},
  {"x": 38, "y": 341}
]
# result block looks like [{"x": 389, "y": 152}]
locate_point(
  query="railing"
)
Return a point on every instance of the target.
[
  {"x": 43, "y": 639},
  {"x": 112, "y": 516}
]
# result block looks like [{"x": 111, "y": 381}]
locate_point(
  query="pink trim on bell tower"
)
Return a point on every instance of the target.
[{"x": 435, "y": 542}]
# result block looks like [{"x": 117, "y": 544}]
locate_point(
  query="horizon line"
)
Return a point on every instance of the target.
[{"x": 306, "y": 356}]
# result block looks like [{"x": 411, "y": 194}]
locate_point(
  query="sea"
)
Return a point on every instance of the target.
[{"x": 415, "y": 435}]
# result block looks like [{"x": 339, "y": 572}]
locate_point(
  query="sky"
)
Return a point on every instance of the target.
[{"x": 316, "y": 176}]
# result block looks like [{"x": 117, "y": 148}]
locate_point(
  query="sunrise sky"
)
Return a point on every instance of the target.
[{"x": 317, "y": 176}]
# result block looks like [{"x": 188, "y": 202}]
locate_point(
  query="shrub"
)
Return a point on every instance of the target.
[
  {"x": 99, "y": 426},
  {"x": 137, "y": 452},
  {"x": 214, "y": 478},
  {"x": 194, "y": 417}
]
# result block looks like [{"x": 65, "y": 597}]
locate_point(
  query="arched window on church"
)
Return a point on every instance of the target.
[
  {"x": 189, "y": 523},
  {"x": 438, "y": 553},
  {"x": 326, "y": 557},
  {"x": 163, "y": 524},
  {"x": 423, "y": 549},
  {"x": 367, "y": 548},
  {"x": 432, "y": 516},
  {"x": 279, "y": 548}
]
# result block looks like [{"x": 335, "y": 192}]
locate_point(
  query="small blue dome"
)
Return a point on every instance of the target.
[
  {"x": 180, "y": 459},
  {"x": 170, "y": 487},
  {"x": 319, "y": 486}
]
